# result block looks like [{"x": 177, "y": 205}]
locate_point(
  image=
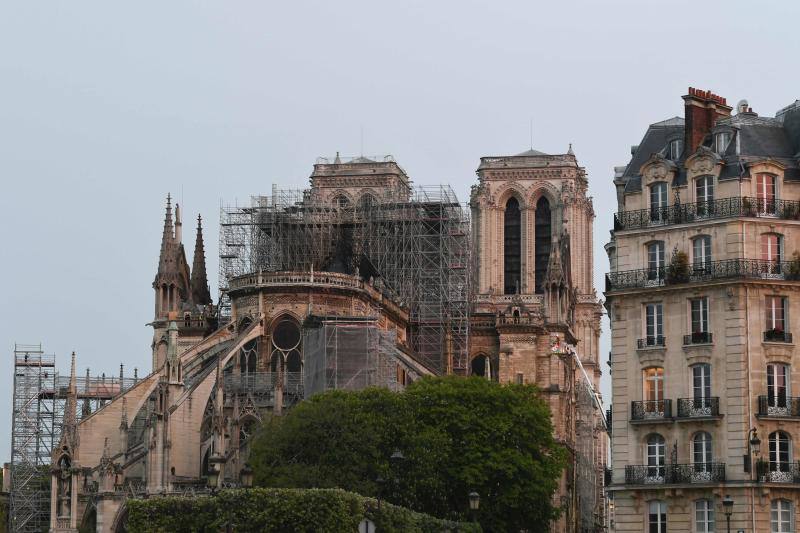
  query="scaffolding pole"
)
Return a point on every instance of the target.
[
  {"x": 417, "y": 248},
  {"x": 34, "y": 432}
]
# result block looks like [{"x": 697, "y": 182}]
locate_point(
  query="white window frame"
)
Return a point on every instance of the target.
[
  {"x": 704, "y": 516},
  {"x": 721, "y": 141},
  {"x": 781, "y": 516},
  {"x": 653, "y": 328},
  {"x": 659, "y": 509},
  {"x": 701, "y": 373},
  {"x": 772, "y": 303}
]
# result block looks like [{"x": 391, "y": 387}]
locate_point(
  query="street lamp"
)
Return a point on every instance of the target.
[
  {"x": 474, "y": 503},
  {"x": 246, "y": 476},
  {"x": 753, "y": 449},
  {"x": 727, "y": 504}
]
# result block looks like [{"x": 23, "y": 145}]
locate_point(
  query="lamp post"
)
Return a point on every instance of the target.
[
  {"x": 727, "y": 505},
  {"x": 246, "y": 476},
  {"x": 474, "y": 504}
]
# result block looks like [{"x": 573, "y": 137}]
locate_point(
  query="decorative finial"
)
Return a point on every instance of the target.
[{"x": 570, "y": 152}]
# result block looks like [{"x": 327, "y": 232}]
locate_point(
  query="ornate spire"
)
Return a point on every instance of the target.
[
  {"x": 200, "y": 293},
  {"x": 68, "y": 432},
  {"x": 167, "y": 257}
]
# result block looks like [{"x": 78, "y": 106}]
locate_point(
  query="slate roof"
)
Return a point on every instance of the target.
[{"x": 756, "y": 137}]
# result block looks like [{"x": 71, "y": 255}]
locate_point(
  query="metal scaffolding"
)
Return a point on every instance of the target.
[
  {"x": 39, "y": 399},
  {"x": 417, "y": 249},
  {"x": 34, "y": 432}
]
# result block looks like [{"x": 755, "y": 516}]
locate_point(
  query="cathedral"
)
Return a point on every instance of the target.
[{"x": 360, "y": 280}]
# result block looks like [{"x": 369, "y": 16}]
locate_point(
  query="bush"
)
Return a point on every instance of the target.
[
  {"x": 279, "y": 510},
  {"x": 456, "y": 434},
  {"x": 678, "y": 271}
]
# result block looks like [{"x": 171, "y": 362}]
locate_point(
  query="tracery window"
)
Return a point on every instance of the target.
[
  {"x": 543, "y": 235},
  {"x": 512, "y": 247}
]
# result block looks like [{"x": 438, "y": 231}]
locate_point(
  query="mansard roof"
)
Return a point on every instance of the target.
[{"x": 753, "y": 138}]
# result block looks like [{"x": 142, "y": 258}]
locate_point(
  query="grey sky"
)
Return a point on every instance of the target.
[{"x": 105, "y": 107}]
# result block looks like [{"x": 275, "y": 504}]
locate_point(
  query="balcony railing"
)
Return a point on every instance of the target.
[
  {"x": 698, "y": 337},
  {"x": 779, "y": 406},
  {"x": 698, "y": 407},
  {"x": 700, "y": 272},
  {"x": 608, "y": 420},
  {"x": 675, "y": 474},
  {"x": 651, "y": 342},
  {"x": 777, "y": 472},
  {"x": 651, "y": 410},
  {"x": 721, "y": 208},
  {"x": 776, "y": 335}
]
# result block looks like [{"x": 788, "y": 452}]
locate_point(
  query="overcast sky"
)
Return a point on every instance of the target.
[{"x": 105, "y": 107}]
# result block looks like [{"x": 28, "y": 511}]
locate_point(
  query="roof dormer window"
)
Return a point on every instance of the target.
[
  {"x": 721, "y": 141},
  {"x": 675, "y": 149}
]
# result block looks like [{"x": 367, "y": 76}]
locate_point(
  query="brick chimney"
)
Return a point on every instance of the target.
[{"x": 702, "y": 109}]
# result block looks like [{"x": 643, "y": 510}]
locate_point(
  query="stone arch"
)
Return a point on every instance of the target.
[
  {"x": 503, "y": 195},
  {"x": 338, "y": 195},
  {"x": 547, "y": 190},
  {"x": 120, "y": 522}
]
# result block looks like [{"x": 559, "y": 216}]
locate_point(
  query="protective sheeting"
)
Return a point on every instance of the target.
[{"x": 341, "y": 354}]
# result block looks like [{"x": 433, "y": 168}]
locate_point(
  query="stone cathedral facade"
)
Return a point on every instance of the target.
[{"x": 294, "y": 329}]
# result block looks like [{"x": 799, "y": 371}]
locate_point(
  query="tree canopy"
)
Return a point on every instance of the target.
[{"x": 456, "y": 435}]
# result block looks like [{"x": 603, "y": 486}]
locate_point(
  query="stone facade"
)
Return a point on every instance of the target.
[
  {"x": 703, "y": 298},
  {"x": 534, "y": 296},
  {"x": 294, "y": 332}
]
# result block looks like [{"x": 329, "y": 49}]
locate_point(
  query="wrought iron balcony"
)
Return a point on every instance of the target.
[
  {"x": 701, "y": 272},
  {"x": 777, "y": 335},
  {"x": 651, "y": 411},
  {"x": 777, "y": 472},
  {"x": 698, "y": 407},
  {"x": 675, "y": 474},
  {"x": 651, "y": 342},
  {"x": 693, "y": 212},
  {"x": 608, "y": 420},
  {"x": 779, "y": 406},
  {"x": 698, "y": 337}
]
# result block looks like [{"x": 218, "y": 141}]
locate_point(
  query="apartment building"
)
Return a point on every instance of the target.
[{"x": 703, "y": 299}]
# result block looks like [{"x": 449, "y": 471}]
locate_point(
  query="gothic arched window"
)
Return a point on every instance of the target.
[
  {"x": 543, "y": 238},
  {"x": 512, "y": 255}
]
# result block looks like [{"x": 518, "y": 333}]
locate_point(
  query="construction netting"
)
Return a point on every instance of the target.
[{"x": 348, "y": 355}]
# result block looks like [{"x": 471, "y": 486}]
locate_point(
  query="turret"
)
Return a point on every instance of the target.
[{"x": 201, "y": 295}]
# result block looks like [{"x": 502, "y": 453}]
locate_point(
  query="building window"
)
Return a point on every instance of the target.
[
  {"x": 765, "y": 194},
  {"x": 702, "y": 455},
  {"x": 721, "y": 142},
  {"x": 704, "y": 193},
  {"x": 248, "y": 357},
  {"x": 704, "y": 516},
  {"x": 658, "y": 201},
  {"x": 655, "y": 457},
  {"x": 512, "y": 250},
  {"x": 655, "y": 261},
  {"x": 781, "y": 516},
  {"x": 675, "y": 149},
  {"x": 481, "y": 367},
  {"x": 701, "y": 382},
  {"x": 776, "y": 307},
  {"x": 286, "y": 348},
  {"x": 654, "y": 324},
  {"x": 701, "y": 254},
  {"x": 657, "y": 517},
  {"x": 341, "y": 201},
  {"x": 543, "y": 236},
  {"x": 699, "y": 317},
  {"x": 778, "y": 384},
  {"x": 654, "y": 389},
  {"x": 780, "y": 452},
  {"x": 771, "y": 247}
]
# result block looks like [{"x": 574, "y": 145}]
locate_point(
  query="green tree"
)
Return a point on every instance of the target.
[{"x": 456, "y": 434}]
